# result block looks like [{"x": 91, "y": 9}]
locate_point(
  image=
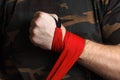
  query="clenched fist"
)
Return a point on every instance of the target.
[{"x": 42, "y": 29}]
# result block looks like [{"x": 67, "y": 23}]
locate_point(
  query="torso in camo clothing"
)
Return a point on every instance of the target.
[{"x": 97, "y": 20}]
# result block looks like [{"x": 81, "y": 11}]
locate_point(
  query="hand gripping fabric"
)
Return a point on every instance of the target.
[{"x": 70, "y": 48}]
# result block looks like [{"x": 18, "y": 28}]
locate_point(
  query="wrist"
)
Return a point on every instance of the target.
[{"x": 85, "y": 50}]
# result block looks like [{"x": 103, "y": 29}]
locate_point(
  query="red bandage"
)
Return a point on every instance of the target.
[{"x": 71, "y": 48}]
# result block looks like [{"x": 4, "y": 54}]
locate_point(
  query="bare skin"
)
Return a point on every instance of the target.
[{"x": 102, "y": 59}]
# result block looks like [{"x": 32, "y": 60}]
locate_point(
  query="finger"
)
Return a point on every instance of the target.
[
  {"x": 57, "y": 20},
  {"x": 32, "y": 41},
  {"x": 37, "y": 14},
  {"x": 55, "y": 16}
]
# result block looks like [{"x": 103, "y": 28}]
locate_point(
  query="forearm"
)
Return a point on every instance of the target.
[{"x": 103, "y": 59}]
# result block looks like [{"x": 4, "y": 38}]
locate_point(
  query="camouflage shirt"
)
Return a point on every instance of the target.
[{"x": 97, "y": 20}]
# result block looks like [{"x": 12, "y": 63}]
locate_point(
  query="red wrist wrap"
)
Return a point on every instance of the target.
[{"x": 71, "y": 48}]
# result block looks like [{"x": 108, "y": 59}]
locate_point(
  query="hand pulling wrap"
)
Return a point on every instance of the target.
[{"x": 70, "y": 48}]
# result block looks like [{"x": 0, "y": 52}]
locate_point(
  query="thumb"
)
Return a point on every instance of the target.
[{"x": 59, "y": 24}]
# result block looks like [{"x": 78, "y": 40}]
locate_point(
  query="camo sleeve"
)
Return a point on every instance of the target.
[{"x": 111, "y": 22}]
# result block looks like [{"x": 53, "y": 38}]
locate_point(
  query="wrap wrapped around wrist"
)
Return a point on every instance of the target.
[{"x": 70, "y": 48}]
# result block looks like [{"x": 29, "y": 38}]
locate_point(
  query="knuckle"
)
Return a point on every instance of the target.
[
  {"x": 37, "y": 22},
  {"x": 31, "y": 37},
  {"x": 35, "y": 31},
  {"x": 54, "y": 15},
  {"x": 37, "y": 14},
  {"x": 34, "y": 39}
]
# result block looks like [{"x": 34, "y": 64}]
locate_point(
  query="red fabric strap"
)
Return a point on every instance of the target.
[{"x": 71, "y": 48}]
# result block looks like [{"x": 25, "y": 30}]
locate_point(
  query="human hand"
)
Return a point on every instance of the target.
[{"x": 42, "y": 29}]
